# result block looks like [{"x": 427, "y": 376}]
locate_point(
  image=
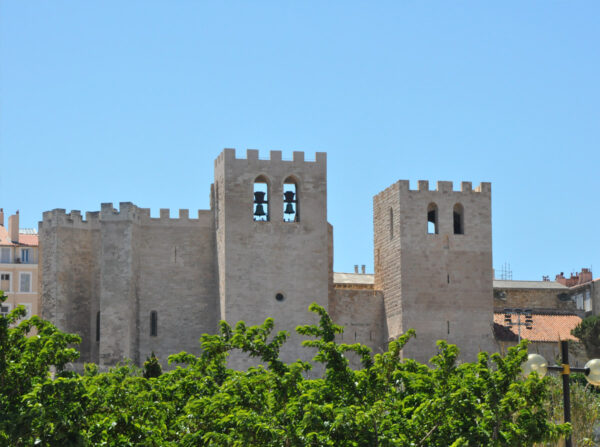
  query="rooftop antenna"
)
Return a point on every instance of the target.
[{"x": 506, "y": 272}]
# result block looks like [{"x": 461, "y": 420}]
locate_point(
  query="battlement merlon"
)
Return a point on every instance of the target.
[
  {"x": 128, "y": 211},
  {"x": 442, "y": 186},
  {"x": 252, "y": 157},
  {"x": 59, "y": 217}
]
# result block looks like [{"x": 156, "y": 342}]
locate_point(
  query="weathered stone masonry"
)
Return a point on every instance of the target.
[{"x": 104, "y": 276}]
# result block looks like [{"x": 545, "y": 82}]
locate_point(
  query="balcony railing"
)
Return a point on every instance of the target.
[{"x": 17, "y": 261}]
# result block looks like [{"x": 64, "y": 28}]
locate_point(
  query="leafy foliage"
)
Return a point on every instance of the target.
[
  {"x": 201, "y": 402},
  {"x": 585, "y": 409},
  {"x": 588, "y": 331},
  {"x": 152, "y": 368}
]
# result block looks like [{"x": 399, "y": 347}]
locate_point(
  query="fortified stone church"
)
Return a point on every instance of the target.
[{"x": 131, "y": 284}]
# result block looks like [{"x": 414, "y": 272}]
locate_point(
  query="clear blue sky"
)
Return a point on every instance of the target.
[{"x": 131, "y": 101}]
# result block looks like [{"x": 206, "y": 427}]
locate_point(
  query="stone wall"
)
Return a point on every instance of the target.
[
  {"x": 123, "y": 265},
  {"x": 536, "y": 298},
  {"x": 388, "y": 265},
  {"x": 70, "y": 274},
  {"x": 120, "y": 265},
  {"x": 177, "y": 280},
  {"x": 361, "y": 312}
]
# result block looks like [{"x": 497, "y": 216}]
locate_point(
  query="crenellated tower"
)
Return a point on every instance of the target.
[
  {"x": 272, "y": 240},
  {"x": 433, "y": 261}
]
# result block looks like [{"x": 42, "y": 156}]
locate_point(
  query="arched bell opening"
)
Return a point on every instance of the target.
[
  {"x": 261, "y": 199},
  {"x": 432, "y": 219},
  {"x": 291, "y": 203},
  {"x": 459, "y": 219}
]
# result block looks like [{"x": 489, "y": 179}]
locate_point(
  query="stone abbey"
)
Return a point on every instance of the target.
[{"x": 131, "y": 284}]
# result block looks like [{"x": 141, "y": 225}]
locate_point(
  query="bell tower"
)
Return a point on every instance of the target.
[
  {"x": 433, "y": 261},
  {"x": 272, "y": 240}
]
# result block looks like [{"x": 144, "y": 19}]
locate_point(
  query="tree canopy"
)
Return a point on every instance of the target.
[
  {"x": 202, "y": 402},
  {"x": 588, "y": 331}
]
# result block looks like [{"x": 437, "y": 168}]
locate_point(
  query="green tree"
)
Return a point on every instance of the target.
[
  {"x": 201, "y": 402},
  {"x": 25, "y": 363},
  {"x": 588, "y": 331},
  {"x": 152, "y": 368}
]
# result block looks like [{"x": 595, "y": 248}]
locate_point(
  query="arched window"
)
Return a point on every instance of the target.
[
  {"x": 391, "y": 223},
  {"x": 290, "y": 200},
  {"x": 98, "y": 326},
  {"x": 153, "y": 323},
  {"x": 261, "y": 199},
  {"x": 459, "y": 219},
  {"x": 432, "y": 219}
]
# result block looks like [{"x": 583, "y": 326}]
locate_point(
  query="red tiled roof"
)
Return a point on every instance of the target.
[
  {"x": 28, "y": 239},
  {"x": 549, "y": 328},
  {"x": 24, "y": 239}
]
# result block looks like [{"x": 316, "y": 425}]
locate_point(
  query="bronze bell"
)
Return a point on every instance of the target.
[
  {"x": 289, "y": 209},
  {"x": 289, "y": 196},
  {"x": 259, "y": 211},
  {"x": 259, "y": 197}
]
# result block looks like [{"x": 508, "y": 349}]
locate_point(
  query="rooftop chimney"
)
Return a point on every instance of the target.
[
  {"x": 363, "y": 268},
  {"x": 585, "y": 276},
  {"x": 13, "y": 227},
  {"x": 1, "y": 216},
  {"x": 576, "y": 278},
  {"x": 356, "y": 268}
]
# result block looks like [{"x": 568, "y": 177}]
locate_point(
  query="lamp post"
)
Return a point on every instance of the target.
[
  {"x": 528, "y": 313},
  {"x": 537, "y": 363}
]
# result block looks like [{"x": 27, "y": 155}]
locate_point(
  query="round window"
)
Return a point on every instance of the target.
[{"x": 279, "y": 297}]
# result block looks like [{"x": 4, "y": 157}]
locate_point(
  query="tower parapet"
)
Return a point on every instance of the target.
[
  {"x": 441, "y": 186},
  {"x": 129, "y": 211},
  {"x": 252, "y": 156},
  {"x": 126, "y": 212},
  {"x": 74, "y": 219}
]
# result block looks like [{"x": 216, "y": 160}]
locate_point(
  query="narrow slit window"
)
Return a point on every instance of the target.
[
  {"x": 459, "y": 219},
  {"x": 98, "y": 326},
  {"x": 261, "y": 199},
  {"x": 153, "y": 323},
  {"x": 216, "y": 205},
  {"x": 391, "y": 223},
  {"x": 290, "y": 201},
  {"x": 432, "y": 219}
]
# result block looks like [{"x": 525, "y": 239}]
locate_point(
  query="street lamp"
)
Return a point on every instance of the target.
[
  {"x": 537, "y": 363},
  {"x": 528, "y": 313}
]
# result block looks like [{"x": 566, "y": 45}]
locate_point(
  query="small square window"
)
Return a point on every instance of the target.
[{"x": 4, "y": 309}]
